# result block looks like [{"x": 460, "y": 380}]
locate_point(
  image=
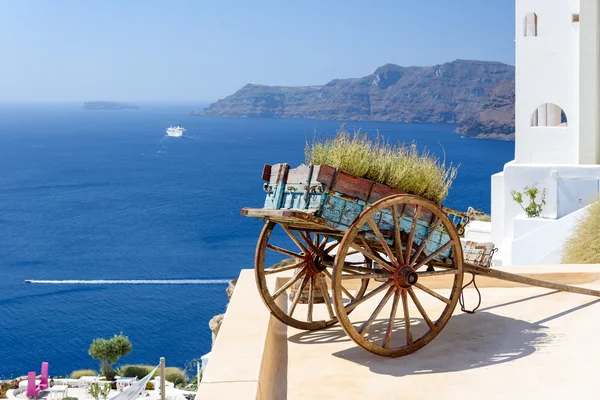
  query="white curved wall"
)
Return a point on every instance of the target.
[
  {"x": 547, "y": 72},
  {"x": 557, "y": 61},
  {"x": 589, "y": 91}
]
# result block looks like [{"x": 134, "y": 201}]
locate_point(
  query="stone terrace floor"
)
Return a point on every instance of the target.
[{"x": 524, "y": 342}]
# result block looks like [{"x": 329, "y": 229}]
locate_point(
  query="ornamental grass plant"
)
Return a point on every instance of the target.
[
  {"x": 583, "y": 247},
  {"x": 83, "y": 372},
  {"x": 399, "y": 166}
]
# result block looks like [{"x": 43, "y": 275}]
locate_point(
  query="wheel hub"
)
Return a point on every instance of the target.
[
  {"x": 314, "y": 263},
  {"x": 405, "y": 277}
]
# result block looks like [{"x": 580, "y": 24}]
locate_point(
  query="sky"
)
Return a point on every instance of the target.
[{"x": 179, "y": 50}]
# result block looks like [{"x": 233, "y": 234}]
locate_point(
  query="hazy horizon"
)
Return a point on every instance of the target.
[{"x": 199, "y": 52}]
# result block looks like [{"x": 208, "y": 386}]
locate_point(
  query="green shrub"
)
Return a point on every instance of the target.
[
  {"x": 533, "y": 209},
  {"x": 83, "y": 372},
  {"x": 137, "y": 370},
  {"x": 108, "y": 352},
  {"x": 172, "y": 374},
  {"x": 175, "y": 375},
  {"x": 398, "y": 166},
  {"x": 4, "y": 387},
  {"x": 583, "y": 247}
]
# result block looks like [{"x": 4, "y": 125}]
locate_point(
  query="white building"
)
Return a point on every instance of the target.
[{"x": 557, "y": 128}]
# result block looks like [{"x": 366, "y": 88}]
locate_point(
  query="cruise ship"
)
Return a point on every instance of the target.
[{"x": 175, "y": 131}]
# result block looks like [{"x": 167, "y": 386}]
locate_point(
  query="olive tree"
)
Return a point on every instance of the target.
[{"x": 108, "y": 351}]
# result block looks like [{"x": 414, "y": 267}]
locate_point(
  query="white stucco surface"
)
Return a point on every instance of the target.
[
  {"x": 547, "y": 71},
  {"x": 479, "y": 231},
  {"x": 557, "y": 63},
  {"x": 568, "y": 188},
  {"x": 545, "y": 245},
  {"x": 524, "y": 225}
]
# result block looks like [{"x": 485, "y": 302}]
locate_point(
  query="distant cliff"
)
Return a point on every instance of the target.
[
  {"x": 476, "y": 95},
  {"x": 109, "y": 105}
]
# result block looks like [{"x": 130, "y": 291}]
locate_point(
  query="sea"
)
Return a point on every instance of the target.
[{"x": 124, "y": 230}]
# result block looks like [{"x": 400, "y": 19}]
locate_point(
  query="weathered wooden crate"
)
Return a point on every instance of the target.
[{"x": 337, "y": 198}]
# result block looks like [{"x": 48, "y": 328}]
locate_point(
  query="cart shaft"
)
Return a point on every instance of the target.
[{"x": 506, "y": 276}]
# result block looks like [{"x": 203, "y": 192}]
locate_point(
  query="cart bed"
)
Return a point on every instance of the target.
[{"x": 325, "y": 199}]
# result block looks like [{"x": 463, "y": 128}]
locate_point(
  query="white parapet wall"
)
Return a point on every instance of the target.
[
  {"x": 248, "y": 358},
  {"x": 542, "y": 241},
  {"x": 569, "y": 188},
  {"x": 479, "y": 231}
]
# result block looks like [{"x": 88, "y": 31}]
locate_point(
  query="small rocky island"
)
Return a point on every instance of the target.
[
  {"x": 478, "y": 96},
  {"x": 109, "y": 105}
]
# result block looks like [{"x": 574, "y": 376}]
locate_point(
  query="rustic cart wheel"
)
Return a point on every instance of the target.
[
  {"x": 305, "y": 259},
  {"x": 416, "y": 313}
]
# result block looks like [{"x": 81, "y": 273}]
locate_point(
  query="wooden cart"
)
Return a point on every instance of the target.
[{"x": 341, "y": 242}]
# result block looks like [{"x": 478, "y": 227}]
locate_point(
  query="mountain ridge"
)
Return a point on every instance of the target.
[{"x": 478, "y": 96}]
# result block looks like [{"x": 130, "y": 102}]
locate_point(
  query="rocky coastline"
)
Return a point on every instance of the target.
[{"x": 477, "y": 96}]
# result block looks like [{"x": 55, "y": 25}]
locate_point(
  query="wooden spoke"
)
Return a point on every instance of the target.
[
  {"x": 366, "y": 276},
  {"x": 314, "y": 247},
  {"x": 352, "y": 305},
  {"x": 415, "y": 300},
  {"x": 432, "y": 229},
  {"x": 372, "y": 256},
  {"x": 331, "y": 246},
  {"x": 284, "y": 251},
  {"x": 384, "y": 244},
  {"x": 440, "y": 245},
  {"x": 388, "y": 332},
  {"x": 367, "y": 324},
  {"x": 433, "y": 255},
  {"x": 322, "y": 285},
  {"x": 299, "y": 294},
  {"x": 397, "y": 237},
  {"x": 411, "y": 236},
  {"x": 343, "y": 288},
  {"x": 285, "y": 268},
  {"x": 289, "y": 283},
  {"x": 409, "y": 337},
  {"x": 434, "y": 294},
  {"x": 311, "y": 299},
  {"x": 294, "y": 238},
  {"x": 436, "y": 273},
  {"x": 323, "y": 243},
  {"x": 308, "y": 239}
]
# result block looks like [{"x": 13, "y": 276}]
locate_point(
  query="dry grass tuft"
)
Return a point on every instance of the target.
[
  {"x": 399, "y": 166},
  {"x": 583, "y": 247}
]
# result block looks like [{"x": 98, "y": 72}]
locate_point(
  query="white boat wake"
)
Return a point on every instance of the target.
[{"x": 132, "y": 281}]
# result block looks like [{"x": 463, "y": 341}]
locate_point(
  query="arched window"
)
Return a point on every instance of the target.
[
  {"x": 531, "y": 24},
  {"x": 549, "y": 114}
]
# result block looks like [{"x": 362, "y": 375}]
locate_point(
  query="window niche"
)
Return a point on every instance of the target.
[
  {"x": 531, "y": 22},
  {"x": 549, "y": 114}
]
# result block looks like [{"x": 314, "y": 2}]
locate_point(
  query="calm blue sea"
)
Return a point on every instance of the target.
[{"x": 103, "y": 195}]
